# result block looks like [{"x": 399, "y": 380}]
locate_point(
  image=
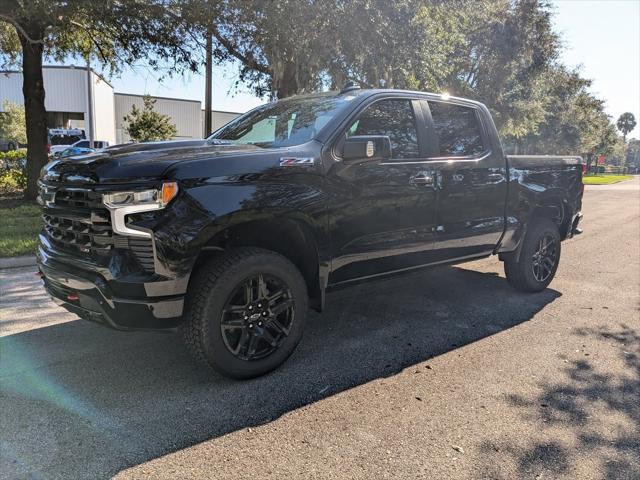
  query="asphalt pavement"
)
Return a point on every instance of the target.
[{"x": 444, "y": 373}]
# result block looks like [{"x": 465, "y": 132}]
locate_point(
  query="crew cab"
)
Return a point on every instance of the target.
[{"x": 230, "y": 239}]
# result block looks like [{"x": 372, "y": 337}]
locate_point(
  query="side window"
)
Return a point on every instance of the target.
[
  {"x": 457, "y": 128},
  {"x": 83, "y": 144},
  {"x": 393, "y": 118}
]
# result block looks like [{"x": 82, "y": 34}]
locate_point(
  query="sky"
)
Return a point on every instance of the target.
[{"x": 602, "y": 37}]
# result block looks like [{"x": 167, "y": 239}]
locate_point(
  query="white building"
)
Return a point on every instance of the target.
[{"x": 75, "y": 98}]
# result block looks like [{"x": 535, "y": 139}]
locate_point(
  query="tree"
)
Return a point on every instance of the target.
[
  {"x": 496, "y": 51},
  {"x": 12, "y": 123},
  {"x": 574, "y": 121},
  {"x": 114, "y": 32},
  {"x": 147, "y": 125},
  {"x": 626, "y": 122},
  {"x": 633, "y": 154}
]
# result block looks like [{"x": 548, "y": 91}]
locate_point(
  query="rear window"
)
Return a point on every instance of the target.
[{"x": 458, "y": 130}]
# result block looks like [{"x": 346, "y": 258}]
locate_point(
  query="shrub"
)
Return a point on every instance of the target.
[
  {"x": 13, "y": 180},
  {"x": 13, "y": 155}
]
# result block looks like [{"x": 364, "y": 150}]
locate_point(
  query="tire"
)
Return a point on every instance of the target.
[
  {"x": 533, "y": 272},
  {"x": 11, "y": 146},
  {"x": 219, "y": 329}
]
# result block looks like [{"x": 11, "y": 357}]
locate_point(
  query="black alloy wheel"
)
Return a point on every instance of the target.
[
  {"x": 533, "y": 269},
  {"x": 257, "y": 317},
  {"x": 544, "y": 258}
]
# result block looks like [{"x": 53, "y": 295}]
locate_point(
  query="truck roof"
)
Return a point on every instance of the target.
[{"x": 368, "y": 92}]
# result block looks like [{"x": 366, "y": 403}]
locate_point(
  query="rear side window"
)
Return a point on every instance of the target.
[
  {"x": 393, "y": 118},
  {"x": 458, "y": 130}
]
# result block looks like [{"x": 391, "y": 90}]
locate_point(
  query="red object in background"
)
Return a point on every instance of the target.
[
  {"x": 584, "y": 168},
  {"x": 601, "y": 160}
]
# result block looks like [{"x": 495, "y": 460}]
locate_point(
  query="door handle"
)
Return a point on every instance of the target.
[{"x": 423, "y": 179}]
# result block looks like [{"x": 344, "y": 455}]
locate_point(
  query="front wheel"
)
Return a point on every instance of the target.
[
  {"x": 539, "y": 258},
  {"x": 245, "y": 312}
]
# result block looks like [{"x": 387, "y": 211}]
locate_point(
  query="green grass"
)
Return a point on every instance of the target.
[
  {"x": 604, "y": 179},
  {"x": 20, "y": 223}
]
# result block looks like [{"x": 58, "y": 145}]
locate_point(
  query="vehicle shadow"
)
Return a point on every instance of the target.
[
  {"x": 82, "y": 401},
  {"x": 597, "y": 411}
]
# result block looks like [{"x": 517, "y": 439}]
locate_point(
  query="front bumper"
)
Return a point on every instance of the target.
[{"x": 90, "y": 295}]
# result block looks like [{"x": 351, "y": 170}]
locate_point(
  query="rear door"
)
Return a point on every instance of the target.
[
  {"x": 382, "y": 213},
  {"x": 472, "y": 180}
]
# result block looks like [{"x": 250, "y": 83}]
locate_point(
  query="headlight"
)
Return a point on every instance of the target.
[
  {"x": 121, "y": 204},
  {"x": 156, "y": 198}
]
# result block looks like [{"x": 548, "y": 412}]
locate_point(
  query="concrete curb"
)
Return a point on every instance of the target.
[{"x": 17, "y": 262}]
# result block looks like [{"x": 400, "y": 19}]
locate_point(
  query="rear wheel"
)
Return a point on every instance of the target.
[
  {"x": 539, "y": 258},
  {"x": 245, "y": 312}
]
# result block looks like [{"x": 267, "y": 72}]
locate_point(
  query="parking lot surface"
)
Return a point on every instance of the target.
[{"x": 444, "y": 373}]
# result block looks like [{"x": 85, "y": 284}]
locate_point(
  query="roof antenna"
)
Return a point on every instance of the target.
[{"x": 350, "y": 86}]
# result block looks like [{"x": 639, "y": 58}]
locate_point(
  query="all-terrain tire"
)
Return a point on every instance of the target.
[
  {"x": 209, "y": 292},
  {"x": 524, "y": 273}
]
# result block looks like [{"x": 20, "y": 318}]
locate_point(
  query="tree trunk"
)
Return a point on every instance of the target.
[
  {"x": 285, "y": 82},
  {"x": 35, "y": 113}
]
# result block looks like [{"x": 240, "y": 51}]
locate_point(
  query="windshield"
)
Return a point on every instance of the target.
[
  {"x": 284, "y": 123},
  {"x": 64, "y": 139}
]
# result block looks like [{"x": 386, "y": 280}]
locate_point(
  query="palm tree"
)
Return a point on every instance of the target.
[{"x": 626, "y": 122}]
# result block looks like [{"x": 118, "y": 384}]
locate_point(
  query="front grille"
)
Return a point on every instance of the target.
[
  {"x": 77, "y": 222},
  {"x": 80, "y": 233}
]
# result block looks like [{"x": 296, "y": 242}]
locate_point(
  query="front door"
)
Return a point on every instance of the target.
[{"x": 382, "y": 214}]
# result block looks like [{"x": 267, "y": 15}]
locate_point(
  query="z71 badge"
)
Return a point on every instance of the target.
[{"x": 293, "y": 161}]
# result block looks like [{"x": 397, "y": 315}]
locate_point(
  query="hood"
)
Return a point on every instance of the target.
[{"x": 136, "y": 162}]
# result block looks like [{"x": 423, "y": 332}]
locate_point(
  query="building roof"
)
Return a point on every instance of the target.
[
  {"x": 64, "y": 67},
  {"x": 155, "y": 96}
]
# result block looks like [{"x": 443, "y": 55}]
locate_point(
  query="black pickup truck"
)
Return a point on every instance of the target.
[{"x": 233, "y": 237}]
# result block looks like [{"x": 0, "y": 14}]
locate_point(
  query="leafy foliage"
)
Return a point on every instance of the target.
[
  {"x": 13, "y": 180},
  {"x": 12, "y": 156},
  {"x": 501, "y": 52},
  {"x": 633, "y": 153},
  {"x": 147, "y": 125},
  {"x": 116, "y": 33},
  {"x": 12, "y": 123}
]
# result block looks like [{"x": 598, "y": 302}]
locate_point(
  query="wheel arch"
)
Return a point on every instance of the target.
[
  {"x": 552, "y": 204},
  {"x": 289, "y": 237}
]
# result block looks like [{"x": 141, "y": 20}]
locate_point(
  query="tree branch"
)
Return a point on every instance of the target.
[
  {"x": 249, "y": 61},
  {"x": 21, "y": 30}
]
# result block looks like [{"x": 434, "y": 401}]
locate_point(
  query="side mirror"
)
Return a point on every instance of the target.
[{"x": 367, "y": 147}]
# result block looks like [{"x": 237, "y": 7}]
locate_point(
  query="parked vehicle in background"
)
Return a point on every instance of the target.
[
  {"x": 74, "y": 151},
  {"x": 232, "y": 237},
  {"x": 61, "y": 138},
  {"x": 97, "y": 144},
  {"x": 80, "y": 144},
  {"x": 8, "y": 145}
]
